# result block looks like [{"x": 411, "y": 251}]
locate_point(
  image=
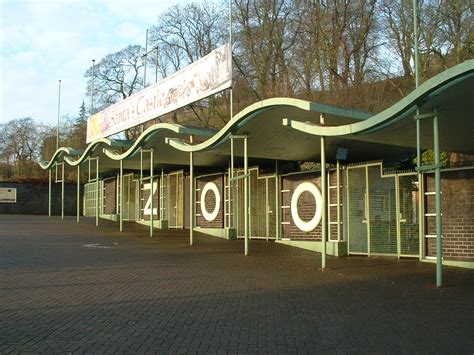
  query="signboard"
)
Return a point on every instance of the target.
[
  {"x": 207, "y": 76},
  {"x": 7, "y": 195}
]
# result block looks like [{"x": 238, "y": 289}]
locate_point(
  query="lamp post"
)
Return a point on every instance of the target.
[
  {"x": 93, "y": 86},
  {"x": 59, "y": 111}
]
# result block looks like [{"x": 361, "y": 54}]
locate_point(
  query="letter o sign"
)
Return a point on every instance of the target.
[
  {"x": 210, "y": 187},
  {"x": 313, "y": 190}
]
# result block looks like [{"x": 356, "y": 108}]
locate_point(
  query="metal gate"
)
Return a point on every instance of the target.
[
  {"x": 175, "y": 199},
  {"x": 129, "y": 198},
  {"x": 382, "y": 212},
  {"x": 262, "y": 206}
]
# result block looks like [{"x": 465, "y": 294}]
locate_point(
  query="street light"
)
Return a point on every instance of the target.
[
  {"x": 59, "y": 111},
  {"x": 93, "y": 86}
]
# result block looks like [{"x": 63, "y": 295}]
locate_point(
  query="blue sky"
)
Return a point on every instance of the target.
[{"x": 42, "y": 41}]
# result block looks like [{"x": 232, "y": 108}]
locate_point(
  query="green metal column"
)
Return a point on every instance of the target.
[
  {"x": 232, "y": 194},
  {"x": 49, "y": 193},
  {"x": 121, "y": 197},
  {"x": 97, "y": 192},
  {"x": 162, "y": 197},
  {"x": 398, "y": 217},
  {"x": 338, "y": 198},
  {"x": 415, "y": 34},
  {"x": 277, "y": 202},
  {"x": 152, "y": 215},
  {"x": 192, "y": 197},
  {"x": 62, "y": 191},
  {"x": 246, "y": 198},
  {"x": 439, "y": 240},
  {"x": 142, "y": 214},
  {"x": 324, "y": 206},
  {"x": 78, "y": 193}
]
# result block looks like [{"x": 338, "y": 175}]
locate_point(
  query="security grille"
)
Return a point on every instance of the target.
[
  {"x": 357, "y": 210},
  {"x": 382, "y": 214},
  {"x": 90, "y": 199},
  {"x": 262, "y": 206},
  {"x": 409, "y": 209},
  {"x": 175, "y": 200}
]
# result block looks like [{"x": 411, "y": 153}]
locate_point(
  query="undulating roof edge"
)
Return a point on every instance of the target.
[
  {"x": 153, "y": 130},
  {"x": 366, "y": 122},
  {"x": 252, "y": 111},
  {"x": 396, "y": 112}
]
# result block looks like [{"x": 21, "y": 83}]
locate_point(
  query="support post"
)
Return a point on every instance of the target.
[
  {"x": 97, "y": 192},
  {"x": 152, "y": 214},
  {"x": 162, "y": 198},
  {"x": 49, "y": 193},
  {"x": 192, "y": 196},
  {"x": 324, "y": 198},
  {"x": 78, "y": 194},
  {"x": 415, "y": 34},
  {"x": 439, "y": 240},
  {"x": 277, "y": 201},
  {"x": 246, "y": 198},
  {"x": 338, "y": 198},
  {"x": 62, "y": 191},
  {"x": 232, "y": 200},
  {"x": 121, "y": 197},
  {"x": 142, "y": 212}
]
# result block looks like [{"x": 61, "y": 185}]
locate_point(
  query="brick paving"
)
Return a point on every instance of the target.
[{"x": 69, "y": 288}]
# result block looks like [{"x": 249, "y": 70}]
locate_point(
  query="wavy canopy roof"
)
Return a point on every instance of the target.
[
  {"x": 388, "y": 135},
  {"x": 450, "y": 94}
]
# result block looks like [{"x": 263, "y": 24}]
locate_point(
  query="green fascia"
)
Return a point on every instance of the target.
[
  {"x": 332, "y": 248},
  {"x": 224, "y": 233},
  {"x": 153, "y": 130},
  {"x": 396, "y": 112},
  {"x": 93, "y": 146},
  {"x": 252, "y": 111},
  {"x": 60, "y": 152}
]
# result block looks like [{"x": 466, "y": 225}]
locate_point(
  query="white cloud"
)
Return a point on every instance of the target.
[{"x": 46, "y": 40}]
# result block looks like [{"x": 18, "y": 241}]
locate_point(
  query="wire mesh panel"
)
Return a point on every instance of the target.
[
  {"x": 175, "y": 200},
  {"x": 257, "y": 206},
  {"x": 357, "y": 210},
  {"x": 409, "y": 224},
  {"x": 272, "y": 208},
  {"x": 383, "y": 217},
  {"x": 89, "y": 199}
]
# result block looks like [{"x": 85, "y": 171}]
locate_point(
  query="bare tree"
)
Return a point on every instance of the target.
[
  {"x": 20, "y": 143},
  {"x": 116, "y": 76}
]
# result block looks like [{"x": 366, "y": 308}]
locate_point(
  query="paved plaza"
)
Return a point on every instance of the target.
[{"x": 74, "y": 288}]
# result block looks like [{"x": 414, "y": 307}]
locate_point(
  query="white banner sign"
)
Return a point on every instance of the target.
[
  {"x": 7, "y": 195},
  {"x": 207, "y": 76}
]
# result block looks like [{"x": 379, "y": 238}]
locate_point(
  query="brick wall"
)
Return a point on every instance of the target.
[
  {"x": 458, "y": 215},
  {"x": 110, "y": 196},
  {"x": 210, "y": 202},
  {"x": 306, "y": 205}
]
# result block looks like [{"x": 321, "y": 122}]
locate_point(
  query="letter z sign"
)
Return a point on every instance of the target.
[{"x": 147, "y": 209}]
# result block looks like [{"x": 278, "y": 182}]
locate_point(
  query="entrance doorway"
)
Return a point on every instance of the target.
[
  {"x": 262, "y": 206},
  {"x": 382, "y": 212}
]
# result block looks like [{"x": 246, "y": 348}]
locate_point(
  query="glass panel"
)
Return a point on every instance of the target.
[
  {"x": 383, "y": 216},
  {"x": 409, "y": 226},
  {"x": 357, "y": 226}
]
